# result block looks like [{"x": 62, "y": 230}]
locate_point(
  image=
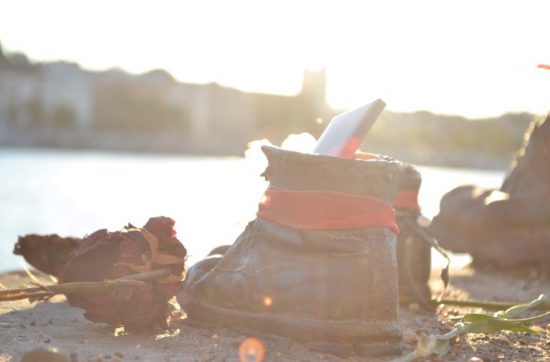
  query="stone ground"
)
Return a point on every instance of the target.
[{"x": 55, "y": 325}]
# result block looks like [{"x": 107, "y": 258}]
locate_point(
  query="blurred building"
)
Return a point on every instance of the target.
[
  {"x": 19, "y": 91},
  {"x": 51, "y": 94},
  {"x": 214, "y": 108},
  {"x": 156, "y": 102},
  {"x": 65, "y": 88},
  {"x": 62, "y": 96}
]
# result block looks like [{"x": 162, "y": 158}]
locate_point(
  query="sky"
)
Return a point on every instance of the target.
[{"x": 472, "y": 58}]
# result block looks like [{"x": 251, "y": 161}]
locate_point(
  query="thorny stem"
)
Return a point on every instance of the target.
[{"x": 47, "y": 291}]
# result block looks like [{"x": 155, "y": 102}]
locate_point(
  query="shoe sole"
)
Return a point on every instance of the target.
[{"x": 364, "y": 334}]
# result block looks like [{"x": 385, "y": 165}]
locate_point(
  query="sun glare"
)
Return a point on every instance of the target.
[{"x": 415, "y": 55}]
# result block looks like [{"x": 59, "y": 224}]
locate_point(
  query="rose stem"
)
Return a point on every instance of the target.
[{"x": 80, "y": 287}]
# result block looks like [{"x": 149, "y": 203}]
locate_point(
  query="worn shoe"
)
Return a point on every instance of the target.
[
  {"x": 413, "y": 250},
  {"x": 413, "y": 244},
  {"x": 506, "y": 227},
  {"x": 318, "y": 263}
]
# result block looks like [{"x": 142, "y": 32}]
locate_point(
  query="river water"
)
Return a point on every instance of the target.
[{"x": 211, "y": 199}]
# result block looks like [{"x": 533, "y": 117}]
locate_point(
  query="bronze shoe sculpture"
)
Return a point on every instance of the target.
[
  {"x": 319, "y": 261},
  {"x": 505, "y": 227},
  {"x": 413, "y": 244},
  {"x": 413, "y": 250}
]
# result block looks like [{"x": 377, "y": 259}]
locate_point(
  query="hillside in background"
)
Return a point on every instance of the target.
[{"x": 424, "y": 137}]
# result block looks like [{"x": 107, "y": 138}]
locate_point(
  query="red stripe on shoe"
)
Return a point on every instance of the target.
[{"x": 314, "y": 209}]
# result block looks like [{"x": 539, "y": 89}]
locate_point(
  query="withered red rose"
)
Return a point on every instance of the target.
[
  {"x": 107, "y": 255},
  {"x": 47, "y": 253}
]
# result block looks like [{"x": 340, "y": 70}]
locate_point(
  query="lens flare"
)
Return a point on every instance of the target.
[
  {"x": 251, "y": 350},
  {"x": 268, "y": 301},
  {"x": 265, "y": 200}
]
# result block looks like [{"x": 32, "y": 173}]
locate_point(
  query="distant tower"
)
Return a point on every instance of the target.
[{"x": 314, "y": 88}]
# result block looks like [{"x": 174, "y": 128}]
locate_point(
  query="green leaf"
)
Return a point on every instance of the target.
[
  {"x": 496, "y": 325},
  {"x": 477, "y": 323},
  {"x": 474, "y": 317}
]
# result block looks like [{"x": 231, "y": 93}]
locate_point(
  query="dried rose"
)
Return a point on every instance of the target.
[
  {"x": 47, "y": 253},
  {"x": 107, "y": 255}
]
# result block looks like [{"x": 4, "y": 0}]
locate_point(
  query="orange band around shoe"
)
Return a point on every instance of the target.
[{"x": 317, "y": 209}]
